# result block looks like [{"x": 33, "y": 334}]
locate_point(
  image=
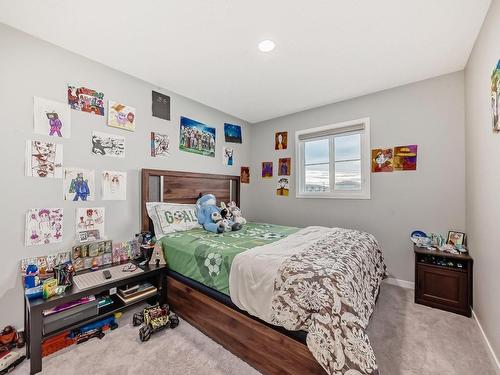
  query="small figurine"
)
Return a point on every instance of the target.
[{"x": 154, "y": 319}]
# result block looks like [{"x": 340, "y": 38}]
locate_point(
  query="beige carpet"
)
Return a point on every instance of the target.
[{"x": 408, "y": 339}]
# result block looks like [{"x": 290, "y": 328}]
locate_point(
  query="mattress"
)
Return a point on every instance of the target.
[{"x": 207, "y": 257}]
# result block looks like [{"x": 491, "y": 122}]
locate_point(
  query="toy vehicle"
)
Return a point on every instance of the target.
[
  {"x": 9, "y": 360},
  {"x": 153, "y": 319},
  {"x": 10, "y": 338}
]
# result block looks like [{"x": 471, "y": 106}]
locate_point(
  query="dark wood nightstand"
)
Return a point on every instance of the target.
[{"x": 443, "y": 280}]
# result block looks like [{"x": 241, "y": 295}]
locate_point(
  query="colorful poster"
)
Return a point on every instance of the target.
[
  {"x": 283, "y": 187},
  {"x": 160, "y": 145},
  {"x": 495, "y": 97},
  {"x": 382, "y": 160},
  {"x": 108, "y": 145},
  {"x": 267, "y": 169},
  {"x": 78, "y": 184},
  {"x": 280, "y": 140},
  {"x": 161, "y": 106},
  {"x": 114, "y": 186},
  {"x": 43, "y": 159},
  {"x": 197, "y": 138},
  {"x": 232, "y": 133},
  {"x": 405, "y": 158},
  {"x": 245, "y": 175},
  {"x": 121, "y": 116},
  {"x": 89, "y": 223},
  {"x": 44, "y": 226},
  {"x": 228, "y": 156},
  {"x": 284, "y": 166},
  {"x": 51, "y": 118},
  {"x": 86, "y": 100}
]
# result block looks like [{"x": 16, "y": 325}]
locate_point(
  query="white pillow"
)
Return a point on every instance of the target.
[{"x": 172, "y": 217}]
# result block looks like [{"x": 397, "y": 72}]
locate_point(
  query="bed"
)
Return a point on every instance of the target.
[{"x": 268, "y": 284}]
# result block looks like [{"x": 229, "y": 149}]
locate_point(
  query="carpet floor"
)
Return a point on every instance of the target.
[{"x": 408, "y": 339}]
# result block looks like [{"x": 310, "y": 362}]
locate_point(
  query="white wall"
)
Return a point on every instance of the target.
[
  {"x": 483, "y": 177},
  {"x": 428, "y": 113},
  {"x": 30, "y": 67}
]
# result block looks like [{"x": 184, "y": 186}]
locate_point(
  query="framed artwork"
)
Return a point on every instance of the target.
[
  {"x": 283, "y": 188},
  {"x": 121, "y": 116},
  {"x": 495, "y": 96},
  {"x": 232, "y": 133},
  {"x": 456, "y": 238},
  {"x": 89, "y": 223},
  {"x": 196, "y": 137},
  {"x": 113, "y": 186},
  {"x": 405, "y": 158},
  {"x": 280, "y": 140},
  {"x": 51, "y": 118},
  {"x": 160, "y": 145},
  {"x": 245, "y": 175},
  {"x": 382, "y": 160},
  {"x": 43, "y": 159},
  {"x": 267, "y": 169},
  {"x": 78, "y": 184},
  {"x": 86, "y": 100},
  {"x": 161, "y": 105},
  {"x": 228, "y": 156},
  {"x": 284, "y": 166},
  {"x": 108, "y": 145},
  {"x": 44, "y": 226}
]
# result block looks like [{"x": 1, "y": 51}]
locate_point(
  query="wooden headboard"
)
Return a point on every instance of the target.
[{"x": 184, "y": 187}]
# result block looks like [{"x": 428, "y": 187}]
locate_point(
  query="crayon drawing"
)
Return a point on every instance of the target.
[
  {"x": 267, "y": 169},
  {"x": 197, "y": 138},
  {"x": 283, "y": 187},
  {"x": 114, "y": 186},
  {"x": 44, "y": 226},
  {"x": 232, "y": 133},
  {"x": 89, "y": 223},
  {"x": 78, "y": 184},
  {"x": 160, "y": 145},
  {"x": 108, "y": 145},
  {"x": 86, "y": 100},
  {"x": 121, "y": 116},
  {"x": 51, "y": 118},
  {"x": 382, "y": 159},
  {"x": 228, "y": 156},
  {"x": 284, "y": 166},
  {"x": 43, "y": 159},
  {"x": 405, "y": 158}
]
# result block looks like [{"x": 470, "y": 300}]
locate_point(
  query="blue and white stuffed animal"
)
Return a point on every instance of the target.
[{"x": 208, "y": 214}]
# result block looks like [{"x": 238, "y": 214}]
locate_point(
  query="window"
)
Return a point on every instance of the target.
[{"x": 334, "y": 161}]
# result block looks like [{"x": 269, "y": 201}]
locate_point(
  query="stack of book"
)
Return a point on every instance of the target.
[{"x": 132, "y": 293}]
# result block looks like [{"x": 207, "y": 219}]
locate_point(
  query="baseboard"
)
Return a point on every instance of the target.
[
  {"x": 492, "y": 354},
  {"x": 401, "y": 283}
]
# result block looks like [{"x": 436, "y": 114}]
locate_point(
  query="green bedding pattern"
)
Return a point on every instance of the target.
[{"x": 207, "y": 257}]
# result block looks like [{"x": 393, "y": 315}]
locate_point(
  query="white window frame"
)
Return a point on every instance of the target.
[{"x": 364, "y": 193}]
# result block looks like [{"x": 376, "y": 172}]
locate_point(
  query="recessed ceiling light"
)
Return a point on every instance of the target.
[{"x": 267, "y": 45}]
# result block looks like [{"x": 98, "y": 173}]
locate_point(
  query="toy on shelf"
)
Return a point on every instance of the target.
[
  {"x": 32, "y": 282},
  {"x": 63, "y": 273},
  {"x": 56, "y": 343},
  {"x": 153, "y": 319},
  {"x": 9, "y": 360},
  {"x": 95, "y": 329},
  {"x": 10, "y": 338}
]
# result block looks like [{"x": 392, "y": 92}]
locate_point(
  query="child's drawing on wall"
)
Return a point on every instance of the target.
[
  {"x": 43, "y": 226},
  {"x": 43, "y": 159},
  {"x": 51, "y": 118}
]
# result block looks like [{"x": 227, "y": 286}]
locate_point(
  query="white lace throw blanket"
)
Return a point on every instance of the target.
[{"x": 321, "y": 280}]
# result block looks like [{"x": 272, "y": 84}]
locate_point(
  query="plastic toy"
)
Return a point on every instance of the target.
[
  {"x": 31, "y": 279},
  {"x": 83, "y": 332},
  {"x": 9, "y": 360},
  {"x": 154, "y": 319},
  {"x": 56, "y": 343},
  {"x": 10, "y": 338}
]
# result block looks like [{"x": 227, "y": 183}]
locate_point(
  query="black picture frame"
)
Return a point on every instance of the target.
[{"x": 160, "y": 105}]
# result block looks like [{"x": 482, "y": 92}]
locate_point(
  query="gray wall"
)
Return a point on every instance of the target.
[
  {"x": 483, "y": 178},
  {"x": 30, "y": 67},
  {"x": 428, "y": 113}
]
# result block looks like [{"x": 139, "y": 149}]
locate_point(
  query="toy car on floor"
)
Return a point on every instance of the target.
[
  {"x": 154, "y": 319},
  {"x": 9, "y": 360}
]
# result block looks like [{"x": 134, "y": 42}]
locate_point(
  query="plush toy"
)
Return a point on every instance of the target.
[
  {"x": 208, "y": 214},
  {"x": 228, "y": 218},
  {"x": 236, "y": 213}
]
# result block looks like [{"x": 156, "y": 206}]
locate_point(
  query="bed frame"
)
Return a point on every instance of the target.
[{"x": 261, "y": 346}]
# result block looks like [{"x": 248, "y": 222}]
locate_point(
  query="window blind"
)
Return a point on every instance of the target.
[{"x": 329, "y": 132}]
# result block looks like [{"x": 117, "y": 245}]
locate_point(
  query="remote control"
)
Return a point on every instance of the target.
[{"x": 107, "y": 274}]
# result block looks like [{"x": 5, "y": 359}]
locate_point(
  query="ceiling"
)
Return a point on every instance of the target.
[{"x": 326, "y": 50}]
